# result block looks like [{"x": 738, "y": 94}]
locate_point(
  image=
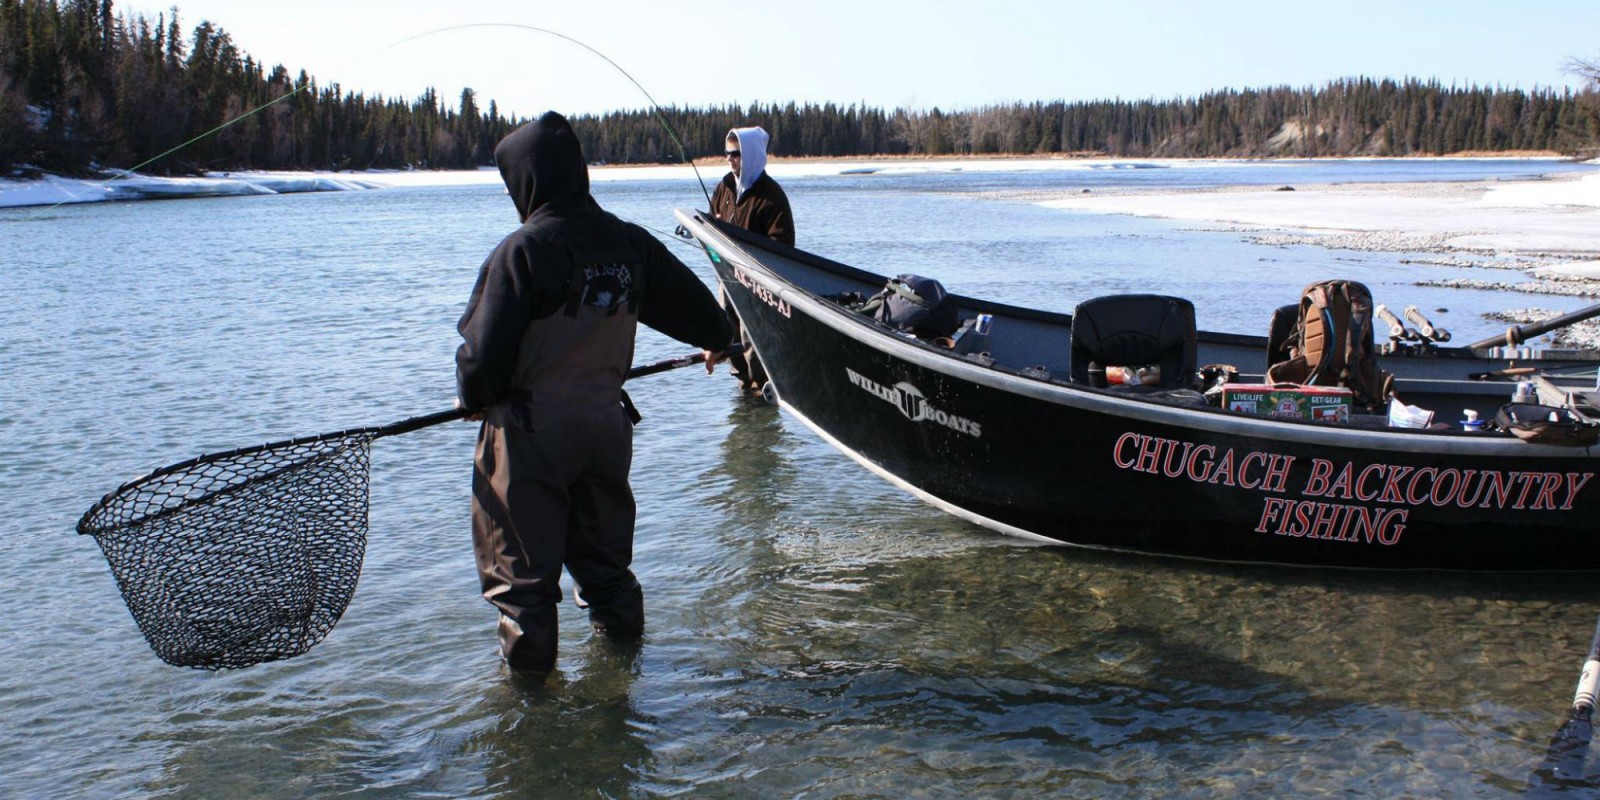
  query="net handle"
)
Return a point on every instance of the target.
[
  {"x": 439, "y": 417},
  {"x": 403, "y": 426},
  {"x": 418, "y": 423}
]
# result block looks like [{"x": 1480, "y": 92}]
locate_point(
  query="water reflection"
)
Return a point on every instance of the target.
[
  {"x": 754, "y": 468},
  {"x": 575, "y": 735},
  {"x": 813, "y": 630},
  {"x": 1008, "y": 663},
  {"x": 578, "y": 734}
]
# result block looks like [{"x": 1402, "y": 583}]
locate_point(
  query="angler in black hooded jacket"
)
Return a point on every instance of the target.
[{"x": 547, "y": 342}]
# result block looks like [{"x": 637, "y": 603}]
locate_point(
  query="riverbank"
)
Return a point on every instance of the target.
[
  {"x": 1545, "y": 229},
  {"x": 52, "y": 190},
  {"x": 1551, "y": 217}
]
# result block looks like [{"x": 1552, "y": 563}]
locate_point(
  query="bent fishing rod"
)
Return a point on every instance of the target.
[{"x": 655, "y": 107}]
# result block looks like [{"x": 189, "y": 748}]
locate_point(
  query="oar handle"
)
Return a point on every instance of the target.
[{"x": 664, "y": 365}]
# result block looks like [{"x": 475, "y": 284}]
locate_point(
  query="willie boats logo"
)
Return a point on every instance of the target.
[{"x": 913, "y": 404}]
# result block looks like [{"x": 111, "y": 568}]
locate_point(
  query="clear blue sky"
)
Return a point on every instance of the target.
[{"x": 896, "y": 53}]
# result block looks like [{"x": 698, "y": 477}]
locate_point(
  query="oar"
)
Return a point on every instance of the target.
[
  {"x": 1563, "y": 762},
  {"x": 1516, "y": 335},
  {"x": 250, "y": 555}
]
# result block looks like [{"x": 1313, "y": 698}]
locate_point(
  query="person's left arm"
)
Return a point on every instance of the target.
[{"x": 678, "y": 304}]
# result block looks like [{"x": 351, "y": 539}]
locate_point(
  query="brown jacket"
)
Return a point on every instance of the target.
[{"x": 764, "y": 209}]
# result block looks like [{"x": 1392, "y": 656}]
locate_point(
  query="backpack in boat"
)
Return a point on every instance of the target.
[
  {"x": 916, "y": 305},
  {"x": 1332, "y": 344},
  {"x": 1543, "y": 424}
]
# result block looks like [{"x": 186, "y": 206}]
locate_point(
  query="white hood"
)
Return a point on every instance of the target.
[{"x": 752, "y": 158}]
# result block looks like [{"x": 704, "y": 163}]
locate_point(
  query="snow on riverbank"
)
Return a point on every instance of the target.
[
  {"x": 53, "y": 190},
  {"x": 1552, "y": 215},
  {"x": 1548, "y": 228}
]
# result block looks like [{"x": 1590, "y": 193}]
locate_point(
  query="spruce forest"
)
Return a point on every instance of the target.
[{"x": 83, "y": 89}]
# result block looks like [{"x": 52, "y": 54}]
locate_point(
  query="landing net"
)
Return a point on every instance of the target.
[{"x": 238, "y": 558}]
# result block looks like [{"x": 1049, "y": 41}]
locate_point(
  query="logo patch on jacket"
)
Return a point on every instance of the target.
[{"x": 606, "y": 286}]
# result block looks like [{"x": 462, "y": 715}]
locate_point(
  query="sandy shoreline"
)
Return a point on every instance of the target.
[
  {"x": 1549, "y": 219},
  {"x": 1547, "y": 228}
]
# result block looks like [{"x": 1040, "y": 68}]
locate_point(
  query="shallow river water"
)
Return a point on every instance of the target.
[{"x": 813, "y": 632}]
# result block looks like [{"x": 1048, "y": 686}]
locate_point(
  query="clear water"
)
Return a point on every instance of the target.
[{"x": 813, "y": 632}]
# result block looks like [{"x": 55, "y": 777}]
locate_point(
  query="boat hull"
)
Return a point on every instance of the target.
[{"x": 1063, "y": 463}]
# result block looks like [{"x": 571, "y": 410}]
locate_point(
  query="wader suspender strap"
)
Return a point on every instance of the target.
[
  {"x": 635, "y": 285},
  {"x": 577, "y": 283},
  {"x": 627, "y": 405},
  {"x": 635, "y": 293},
  {"x": 635, "y": 282}
]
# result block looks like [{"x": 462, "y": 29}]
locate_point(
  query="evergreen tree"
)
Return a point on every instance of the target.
[{"x": 81, "y": 86}]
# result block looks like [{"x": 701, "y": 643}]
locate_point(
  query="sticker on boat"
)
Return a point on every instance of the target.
[{"x": 913, "y": 404}]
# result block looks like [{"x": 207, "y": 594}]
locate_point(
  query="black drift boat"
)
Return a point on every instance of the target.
[{"x": 1011, "y": 434}]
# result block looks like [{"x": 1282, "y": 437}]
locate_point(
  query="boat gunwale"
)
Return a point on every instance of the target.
[{"x": 1087, "y": 399}]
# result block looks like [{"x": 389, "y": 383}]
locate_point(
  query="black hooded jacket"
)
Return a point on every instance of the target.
[{"x": 525, "y": 278}]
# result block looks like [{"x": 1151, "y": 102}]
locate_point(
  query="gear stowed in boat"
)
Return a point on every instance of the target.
[{"x": 1048, "y": 449}]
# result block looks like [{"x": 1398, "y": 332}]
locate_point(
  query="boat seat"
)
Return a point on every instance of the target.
[
  {"x": 1280, "y": 334},
  {"x": 1134, "y": 330}
]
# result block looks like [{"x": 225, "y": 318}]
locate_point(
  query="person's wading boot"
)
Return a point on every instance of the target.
[
  {"x": 619, "y": 615},
  {"x": 528, "y": 647}
]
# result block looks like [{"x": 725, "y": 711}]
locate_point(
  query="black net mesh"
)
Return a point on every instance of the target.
[{"x": 238, "y": 558}]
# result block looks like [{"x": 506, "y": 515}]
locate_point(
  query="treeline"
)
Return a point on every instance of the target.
[
  {"x": 82, "y": 88},
  {"x": 1353, "y": 117}
]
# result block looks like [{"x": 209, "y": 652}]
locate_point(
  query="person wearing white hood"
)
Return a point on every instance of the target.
[{"x": 750, "y": 198}]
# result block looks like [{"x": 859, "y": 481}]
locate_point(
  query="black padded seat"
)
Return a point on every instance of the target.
[
  {"x": 1133, "y": 330},
  {"x": 1281, "y": 333}
]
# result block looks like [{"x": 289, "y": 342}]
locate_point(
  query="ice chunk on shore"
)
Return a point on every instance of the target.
[{"x": 1584, "y": 191}]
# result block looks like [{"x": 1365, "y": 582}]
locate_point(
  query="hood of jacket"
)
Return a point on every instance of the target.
[
  {"x": 542, "y": 165},
  {"x": 752, "y": 157}
]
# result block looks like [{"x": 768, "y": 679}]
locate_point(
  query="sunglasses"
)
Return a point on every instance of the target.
[{"x": 732, "y": 154}]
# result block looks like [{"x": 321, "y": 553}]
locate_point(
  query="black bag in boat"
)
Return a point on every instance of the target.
[
  {"x": 1532, "y": 422},
  {"x": 916, "y": 305}
]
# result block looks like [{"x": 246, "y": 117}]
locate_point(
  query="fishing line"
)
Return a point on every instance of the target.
[
  {"x": 654, "y": 106},
  {"x": 242, "y": 117},
  {"x": 671, "y": 237},
  {"x": 121, "y": 174}
]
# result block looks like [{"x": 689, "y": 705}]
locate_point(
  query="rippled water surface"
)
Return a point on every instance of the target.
[{"x": 813, "y": 632}]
